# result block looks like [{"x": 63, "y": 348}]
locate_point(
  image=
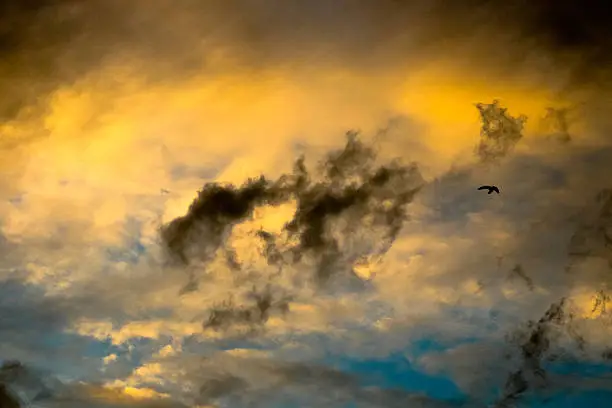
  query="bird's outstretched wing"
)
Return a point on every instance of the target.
[
  {"x": 495, "y": 189},
  {"x": 484, "y": 188}
]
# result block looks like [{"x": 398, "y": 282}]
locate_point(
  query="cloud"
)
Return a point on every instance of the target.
[
  {"x": 21, "y": 385},
  {"x": 499, "y": 132},
  {"x": 351, "y": 187},
  {"x": 534, "y": 346},
  {"x": 337, "y": 221},
  {"x": 238, "y": 378},
  {"x": 115, "y": 114},
  {"x": 308, "y": 193},
  {"x": 227, "y": 314},
  {"x": 212, "y": 213}
]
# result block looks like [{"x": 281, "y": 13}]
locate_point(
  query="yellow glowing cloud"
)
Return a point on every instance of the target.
[
  {"x": 152, "y": 329},
  {"x": 112, "y": 142},
  {"x": 443, "y": 98},
  {"x": 117, "y": 394},
  {"x": 107, "y": 134}
]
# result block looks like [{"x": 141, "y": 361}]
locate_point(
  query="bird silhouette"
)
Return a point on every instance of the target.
[{"x": 490, "y": 188}]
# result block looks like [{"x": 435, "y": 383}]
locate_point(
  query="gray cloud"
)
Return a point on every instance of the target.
[
  {"x": 535, "y": 344},
  {"x": 263, "y": 304},
  {"x": 256, "y": 382}
]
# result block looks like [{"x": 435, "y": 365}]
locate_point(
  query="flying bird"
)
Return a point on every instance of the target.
[{"x": 490, "y": 188}]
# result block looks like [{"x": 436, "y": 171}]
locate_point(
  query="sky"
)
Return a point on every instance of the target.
[{"x": 266, "y": 203}]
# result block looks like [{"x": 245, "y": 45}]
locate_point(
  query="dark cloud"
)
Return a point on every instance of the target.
[
  {"x": 271, "y": 252},
  {"x": 256, "y": 313},
  {"x": 347, "y": 388},
  {"x": 216, "y": 388},
  {"x": 352, "y": 194},
  {"x": 519, "y": 272},
  {"x": 47, "y": 44},
  {"x": 306, "y": 385},
  {"x": 353, "y": 189},
  {"x": 536, "y": 344},
  {"x": 357, "y": 190},
  {"x": 530, "y": 366},
  {"x": 567, "y": 27},
  {"x": 212, "y": 214}
]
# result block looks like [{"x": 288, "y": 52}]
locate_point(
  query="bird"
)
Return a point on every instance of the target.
[{"x": 490, "y": 188}]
